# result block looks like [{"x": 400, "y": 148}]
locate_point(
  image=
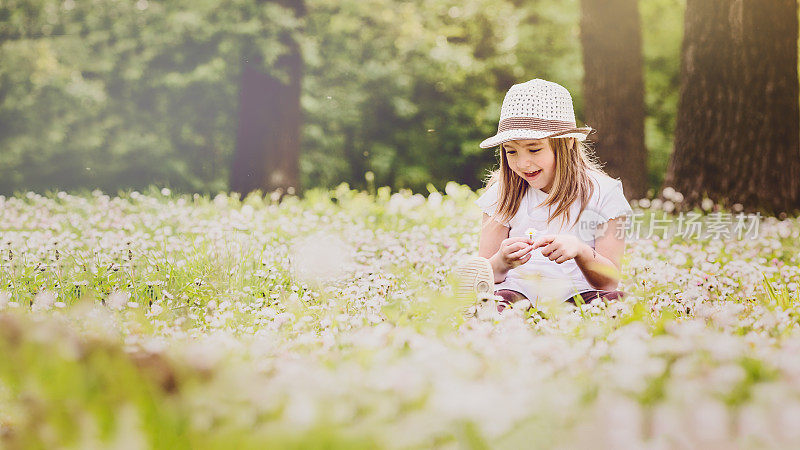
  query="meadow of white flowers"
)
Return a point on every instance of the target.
[{"x": 162, "y": 321}]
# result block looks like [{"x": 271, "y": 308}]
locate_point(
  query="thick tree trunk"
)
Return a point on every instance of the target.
[
  {"x": 613, "y": 89},
  {"x": 737, "y": 138},
  {"x": 268, "y": 135}
]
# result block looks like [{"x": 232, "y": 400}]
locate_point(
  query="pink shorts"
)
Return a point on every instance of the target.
[{"x": 510, "y": 296}]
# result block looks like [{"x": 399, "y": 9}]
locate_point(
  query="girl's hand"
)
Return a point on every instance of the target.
[
  {"x": 560, "y": 247},
  {"x": 515, "y": 251}
]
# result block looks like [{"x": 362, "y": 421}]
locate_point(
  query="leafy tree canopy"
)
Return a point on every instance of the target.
[{"x": 121, "y": 94}]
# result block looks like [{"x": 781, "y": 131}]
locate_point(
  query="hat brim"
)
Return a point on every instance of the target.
[{"x": 512, "y": 135}]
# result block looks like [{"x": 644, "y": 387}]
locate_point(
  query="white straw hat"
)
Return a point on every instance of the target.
[{"x": 536, "y": 109}]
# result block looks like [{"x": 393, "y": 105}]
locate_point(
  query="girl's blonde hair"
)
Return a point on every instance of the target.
[{"x": 571, "y": 182}]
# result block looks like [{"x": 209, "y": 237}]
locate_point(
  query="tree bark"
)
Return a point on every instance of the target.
[
  {"x": 268, "y": 134},
  {"x": 613, "y": 87},
  {"x": 737, "y": 136}
]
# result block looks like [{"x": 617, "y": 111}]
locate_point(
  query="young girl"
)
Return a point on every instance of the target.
[{"x": 553, "y": 221}]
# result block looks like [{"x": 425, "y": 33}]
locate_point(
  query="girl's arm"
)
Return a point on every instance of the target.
[
  {"x": 492, "y": 235},
  {"x": 601, "y": 265}
]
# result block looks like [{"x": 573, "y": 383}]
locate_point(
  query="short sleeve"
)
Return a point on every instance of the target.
[
  {"x": 613, "y": 202},
  {"x": 489, "y": 202}
]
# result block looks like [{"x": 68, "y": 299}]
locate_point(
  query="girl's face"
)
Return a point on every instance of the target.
[{"x": 533, "y": 160}]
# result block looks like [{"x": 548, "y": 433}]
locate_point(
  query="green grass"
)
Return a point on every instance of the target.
[{"x": 182, "y": 322}]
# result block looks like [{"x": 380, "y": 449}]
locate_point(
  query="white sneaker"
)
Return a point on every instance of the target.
[{"x": 474, "y": 281}]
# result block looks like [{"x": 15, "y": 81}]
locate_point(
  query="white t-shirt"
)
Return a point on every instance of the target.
[{"x": 539, "y": 275}]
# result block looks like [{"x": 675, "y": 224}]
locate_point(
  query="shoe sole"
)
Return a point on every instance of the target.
[{"x": 474, "y": 280}]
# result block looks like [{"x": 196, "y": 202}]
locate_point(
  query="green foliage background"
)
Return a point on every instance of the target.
[{"x": 120, "y": 94}]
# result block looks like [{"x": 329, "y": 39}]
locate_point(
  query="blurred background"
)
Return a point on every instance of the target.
[
  {"x": 116, "y": 93},
  {"x": 203, "y": 96}
]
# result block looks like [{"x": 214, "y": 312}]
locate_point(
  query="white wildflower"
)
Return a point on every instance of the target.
[
  {"x": 44, "y": 300},
  {"x": 118, "y": 299},
  {"x": 320, "y": 256}
]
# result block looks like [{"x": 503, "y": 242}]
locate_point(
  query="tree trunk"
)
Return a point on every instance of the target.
[
  {"x": 613, "y": 89},
  {"x": 268, "y": 135},
  {"x": 737, "y": 136}
]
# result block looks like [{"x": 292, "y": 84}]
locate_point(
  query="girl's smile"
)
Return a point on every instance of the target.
[{"x": 532, "y": 160}]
